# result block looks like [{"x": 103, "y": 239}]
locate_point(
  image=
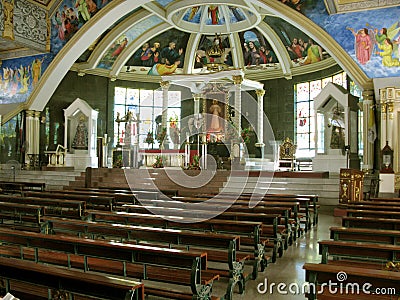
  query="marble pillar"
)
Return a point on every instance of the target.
[
  {"x": 165, "y": 87},
  {"x": 260, "y": 121},
  {"x": 369, "y": 129}
]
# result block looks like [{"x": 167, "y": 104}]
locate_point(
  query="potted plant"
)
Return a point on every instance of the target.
[
  {"x": 162, "y": 136},
  {"x": 195, "y": 165},
  {"x": 149, "y": 139},
  {"x": 158, "y": 163},
  {"x": 245, "y": 134}
]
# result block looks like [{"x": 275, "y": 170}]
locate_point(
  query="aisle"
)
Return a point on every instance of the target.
[{"x": 288, "y": 269}]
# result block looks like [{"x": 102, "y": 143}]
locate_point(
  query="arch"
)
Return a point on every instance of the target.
[{"x": 115, "y": 10}]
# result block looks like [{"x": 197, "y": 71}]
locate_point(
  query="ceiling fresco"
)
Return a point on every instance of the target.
[
  {"x": 218, "y": 36},
  {"x": 382, "y": 57}
]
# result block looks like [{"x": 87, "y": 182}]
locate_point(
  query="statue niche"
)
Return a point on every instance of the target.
[
  {"x": 80, "y": 136},
  {"x": 337, "y": 144},
  {"x": 80, "y": 140}
]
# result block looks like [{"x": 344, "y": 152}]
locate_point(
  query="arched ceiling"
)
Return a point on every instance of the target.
[
  {"x": 193, "y": 27},
  {"x": 142, "y": 21}
]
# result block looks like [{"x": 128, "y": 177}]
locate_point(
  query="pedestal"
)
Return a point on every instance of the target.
[
  {"x": 334, "y": 161},
  {"x": 351, "y": 185},
  {"x": 386, "y": 183},
  {"x": 80, "y": 160}
]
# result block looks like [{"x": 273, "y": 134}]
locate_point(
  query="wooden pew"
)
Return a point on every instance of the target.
[
  {"x": 120, "y": 197},
  {"x": 305, "y": 203},
  {"x": 358, "y": 251},
  {"x": 291, "y": 217},
  {"x": 137, "y": 261},
  {"x": 385, "y": 214},
  {"x": 20, "y": 186},
  {"x": 53, "y": 207},
  {"x": 391, "y": 237},
  {"x": 309, "y": 203},
  {"x": 371, "y": 207},
  {"x": 93, "y": 202},
  {"x": 250, "y": 232},
  {"x": 270, "y": 228},
  {"x": 391, "y": 199},
  {"x": 167, "y": 192},
  {"x": 368, "y": 202},
  {"x": 219, "y": 247},
  {"x": 370, "y": 280},
  {"x": 371, "y": 222},
  {"x": 21, "y": 216},
  {"x": 25, "y": 278}
]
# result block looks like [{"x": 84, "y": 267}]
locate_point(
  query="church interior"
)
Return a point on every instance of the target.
[{"x": 165, "y": 149}]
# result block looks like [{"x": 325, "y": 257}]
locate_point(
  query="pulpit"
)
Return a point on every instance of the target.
[{"x": 351, "y": 185}]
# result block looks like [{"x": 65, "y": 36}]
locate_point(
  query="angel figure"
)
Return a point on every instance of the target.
[{"x": 364, "y": 44}]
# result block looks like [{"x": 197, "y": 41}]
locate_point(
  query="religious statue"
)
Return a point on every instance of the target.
[
  {"x": 337, "y": 134},
  {"x": 80, "y": 141},
  {"x": 130, "y": 128},
  {"x": 215, "y": 110},
  {"x": 8, "y": 9}
]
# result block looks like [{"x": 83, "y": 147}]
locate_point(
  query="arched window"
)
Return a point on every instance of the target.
[{"x": 304, "y": 94}]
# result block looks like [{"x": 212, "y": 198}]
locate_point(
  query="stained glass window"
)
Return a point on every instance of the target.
[
  {"x": 146, "y": 106},
  {"x": 305, "y": 93}
]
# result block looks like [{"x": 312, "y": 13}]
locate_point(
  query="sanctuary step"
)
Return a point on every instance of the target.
[
  {"x": 182, "y": 181},
  {"x": 326, "y": 188},
  {"x": 54, "y": 180}
]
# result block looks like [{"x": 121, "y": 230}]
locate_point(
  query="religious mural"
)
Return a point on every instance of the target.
[
  {"x": 69, "y": 17},
  {"x": 18, "y": 77},
  {"x": 162, "y": 55},
  {"x": 214, "y": 49},
  {"x": 370, "y": 37},
  {"x": 256, "y": 49},
  {"x": 121, "y": 43}
]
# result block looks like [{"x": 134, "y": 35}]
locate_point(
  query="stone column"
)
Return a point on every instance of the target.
[
  {"x": 237, "y": 120},
  {"x": 196, "y": 104},
  {"x": 390, "y": 123},
  {"x": 32, "y": 132},
  {"x": 165, "y": 87},
  {"x": 260, "y": 121},
  {"x": 369, "y": 129},
  {"x": 383, "y": 123}
]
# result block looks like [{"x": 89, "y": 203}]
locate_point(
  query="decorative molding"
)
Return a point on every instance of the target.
[
  {"x": 30, "y": 24},
  {"x": 345, "y": 6}
]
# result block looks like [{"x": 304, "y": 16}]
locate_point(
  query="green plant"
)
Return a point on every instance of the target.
[
  {"x": 245, "y": 134},
  {"x": 117, "y": 163},
  {"x": 158, "y": 163},
  {"x": 149, "y": 138},
  {"x": 195, "y": 165},
  {"x": 161, "y": 135}
]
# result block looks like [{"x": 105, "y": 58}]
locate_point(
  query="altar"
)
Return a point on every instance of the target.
[{"x": 170, "y": 158}]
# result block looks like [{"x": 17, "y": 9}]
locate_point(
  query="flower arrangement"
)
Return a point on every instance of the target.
[
  {"x": 158, "y": 163},
  {"x": 245, "y": 134},
  {"x": 173, "y": 121},
  {"x": 195, "y": 165},
  {"x": 117, "y": 163},
  {"x": 173, "y": 129},
  {"x": 149, "y": 138},
  {"x": 162, "y": 135}
]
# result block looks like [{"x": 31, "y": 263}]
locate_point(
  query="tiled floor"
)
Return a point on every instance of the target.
[{"x": 288, "y": 268}]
